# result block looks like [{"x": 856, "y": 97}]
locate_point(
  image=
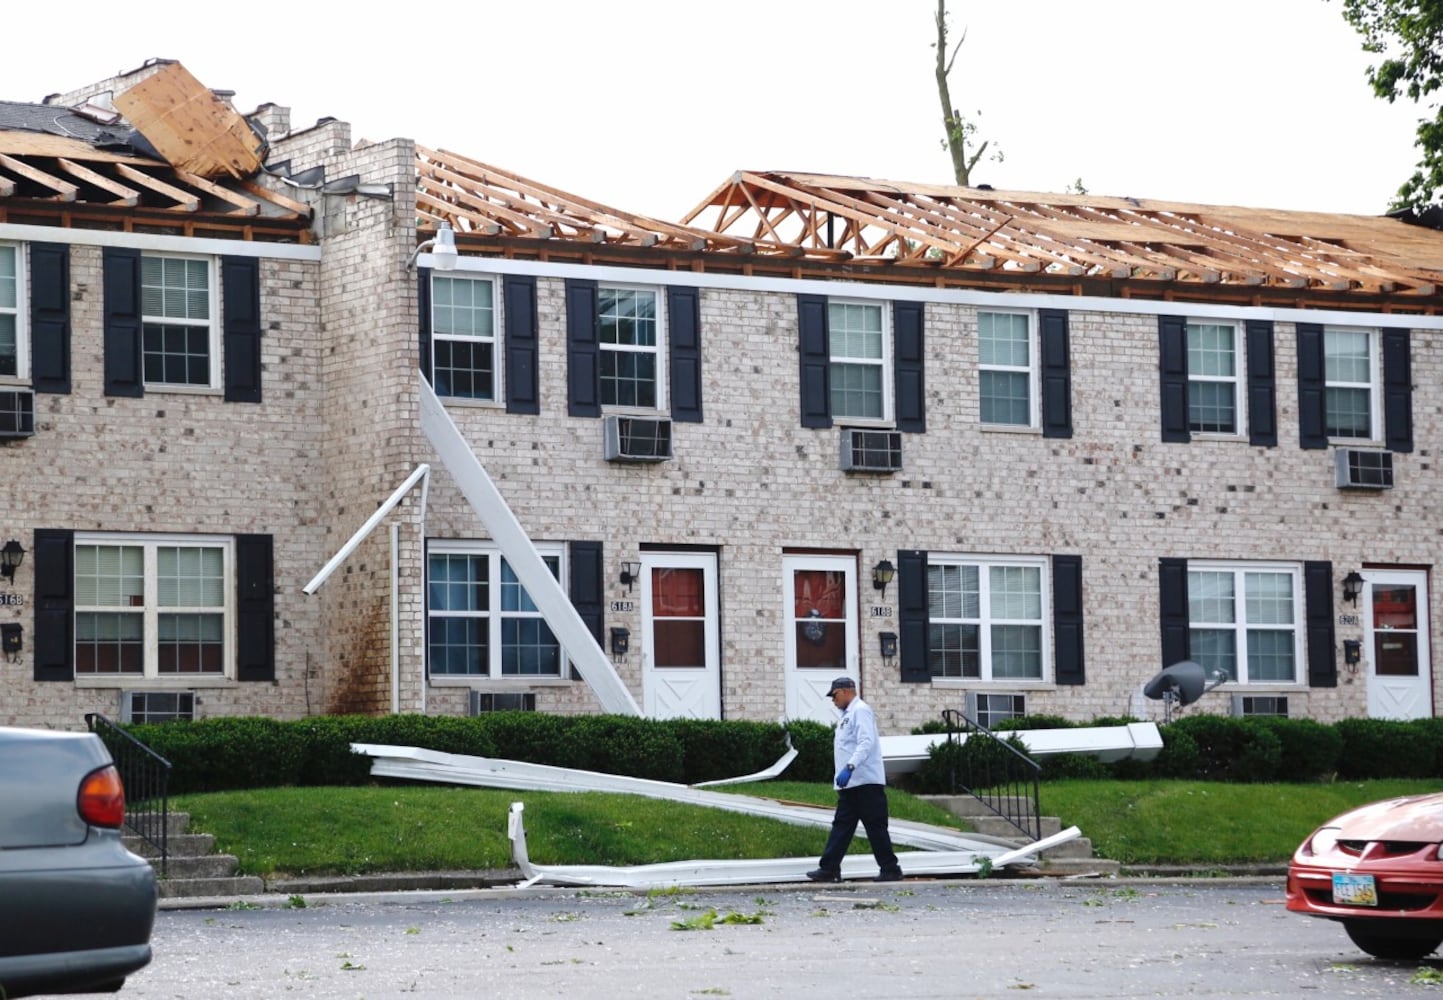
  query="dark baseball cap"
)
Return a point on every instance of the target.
[{"x": 839, "y": 684}]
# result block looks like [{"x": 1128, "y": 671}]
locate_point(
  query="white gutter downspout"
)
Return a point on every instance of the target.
[
  {"x": 581, "y": 647},
  {"x": 395, "y": 618},
  {"x": 422, "y": 473}
]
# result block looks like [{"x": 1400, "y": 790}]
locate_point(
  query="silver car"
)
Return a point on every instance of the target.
[{"x": 76, "y": 907}]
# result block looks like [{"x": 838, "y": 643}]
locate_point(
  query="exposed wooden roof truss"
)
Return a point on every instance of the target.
[
  {"x": 476, "y": 198},
  {"x": 41, "y": 173},
  {"x": 958, "y": 229}
]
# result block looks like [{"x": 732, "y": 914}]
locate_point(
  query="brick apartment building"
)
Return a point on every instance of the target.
[{"x": 1004, "y": 451}]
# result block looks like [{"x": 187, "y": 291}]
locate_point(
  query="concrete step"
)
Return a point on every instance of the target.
[
  {"x": 179, "y": 845},
  {"x": 175, "y": 822},
  {"x": 189, "y": 888},
  {"x": 202, "y": 866},
  {"x": 968, "y": 806},
  {"x": 996, "y": 826}
]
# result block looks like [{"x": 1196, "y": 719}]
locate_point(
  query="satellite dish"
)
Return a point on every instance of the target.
[{"x": 1182, "y": 684}]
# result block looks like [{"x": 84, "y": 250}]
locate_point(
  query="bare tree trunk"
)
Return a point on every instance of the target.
[
  {"x": 959, "y": 130},
  {"x": 951, "y": 121}
]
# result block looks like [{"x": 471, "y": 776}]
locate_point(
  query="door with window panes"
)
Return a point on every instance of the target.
[
  {"x": 820, "y": 626},
  {"x": 680, "y": 655},
  {"x": 1395, "y": 644}
]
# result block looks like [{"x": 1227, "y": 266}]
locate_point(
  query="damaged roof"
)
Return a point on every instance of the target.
[
  {"x": 184, "y": 162},
  {"x": 776, "y": 222}
]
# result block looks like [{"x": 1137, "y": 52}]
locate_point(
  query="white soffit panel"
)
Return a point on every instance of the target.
[{"x": 581, "y": 646}]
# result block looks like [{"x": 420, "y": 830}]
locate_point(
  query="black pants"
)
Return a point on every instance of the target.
[{"x": 866, "y": 804}]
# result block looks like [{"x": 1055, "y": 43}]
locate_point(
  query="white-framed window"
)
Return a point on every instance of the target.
[
  {"x": 1214, "y": 372},
  {"x": 154, "y": 606},
  {"x": 632, "y": 336},
  {"x": 463, "y": 337},
  {"x": 12, "y": 312},
  {"x": 1245, "y": 619},
  {"x": 1351, "y": 372},
  {"x": 1007, "y": 368},
  {"x": 482, "y": 623},
  {"x": 860, "y": 367},
  {"x": 987, "y": 617},
  {"x": 180, "y": 321}
]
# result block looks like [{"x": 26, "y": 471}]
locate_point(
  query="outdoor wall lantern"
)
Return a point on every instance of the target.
[
  {"x": 1352, "y": 587},
  {"x": 11, "y": 556},
  {"x": 630, "y": 573},
  {"x": 442, "y": 247},
  {"x": 882, "y": 574}
]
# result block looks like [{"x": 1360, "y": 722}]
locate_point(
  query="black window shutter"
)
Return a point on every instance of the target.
[
  {"x": 1262, "y": 384},
  {"x": 1172, "y": 610},
  {"x": 1312, "y": 430},
  {"x": 587, "y": 587},
  {"x": 50, "y": 317},
  {"x": 912, "y": 611},
  {"x": 909, "y": 365},
  {"x": 241, "y": 328},
  {"x": 54, "y": 555},
  {"x": 1068, "y": 661},
  {"x": 518, "y": 295},
  {"x": 1318, "y": 602},
  {"x": 121, "y": 281},
  {"x": 1397, "y": 391},
  {"x": 1172, "y": 363},
  {"x": 1056, "y": 374},
  {"x": 255, "y": 608},
  {"x": 423, "y": 317},
  {"x": 683, "y": 311},
  {"x": 815, "y": 352},
  {"x": 583, "y": 353}
]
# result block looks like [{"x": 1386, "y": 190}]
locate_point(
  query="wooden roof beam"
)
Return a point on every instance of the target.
[
  {"x": 185, "y": 200},
  {"x": 242, "y": 204},
  {"x": 517, "y": 221},
  {"x": 64, "y": 190},
  {"x": 126, "y": 197}
]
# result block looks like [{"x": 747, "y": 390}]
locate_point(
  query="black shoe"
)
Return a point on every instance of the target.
[
  {"x": 822, "y": 875},
  {"x": 895, "y": 876}
]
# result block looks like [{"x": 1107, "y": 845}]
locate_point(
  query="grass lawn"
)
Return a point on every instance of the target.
[{"x": 332, "y": 831}]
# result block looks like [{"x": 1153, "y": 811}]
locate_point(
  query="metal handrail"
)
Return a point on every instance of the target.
[
  {"x": 146, "y": 777},
  {"x": 1002, "y": 778}
]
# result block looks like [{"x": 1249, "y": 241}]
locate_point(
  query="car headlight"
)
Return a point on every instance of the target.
[{"x": 1323, "y": 840}]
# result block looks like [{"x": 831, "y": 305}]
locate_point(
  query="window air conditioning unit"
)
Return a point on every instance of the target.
[
  {"x": 871, "y": 451},
  {"x": 17, "y": 413},
  {"x": 1357, "y": 469},
  {"x": 637, "y": 439},
  {"x": 1245, "y": 705},
  {"x": 482, "y": 702},
  {"x": 157, "y": 706},
  {"x": 989, "y": 709}
]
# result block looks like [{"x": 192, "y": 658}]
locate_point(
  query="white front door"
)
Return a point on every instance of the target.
[
  {"x": 820, "y": 623},
  {"x": 1395, "y": 644},
  {"x": 680, "y": 656}
]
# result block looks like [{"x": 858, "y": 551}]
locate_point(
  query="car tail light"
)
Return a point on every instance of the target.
[{"x": 101, "y": 799}]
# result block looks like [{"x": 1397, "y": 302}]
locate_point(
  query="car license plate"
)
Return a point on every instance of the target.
[{"x": 1355, "y": 890}]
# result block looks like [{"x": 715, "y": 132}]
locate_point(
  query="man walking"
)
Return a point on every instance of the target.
[{"x": 861, "y": 788}]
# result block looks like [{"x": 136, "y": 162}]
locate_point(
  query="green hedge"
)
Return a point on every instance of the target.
[{"x": 247, "y": 752}]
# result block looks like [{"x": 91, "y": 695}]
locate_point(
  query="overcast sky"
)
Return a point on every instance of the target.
[{"x": 648, "y": 105}]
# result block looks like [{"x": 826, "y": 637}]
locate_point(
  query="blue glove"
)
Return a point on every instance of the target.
[{"x": 844, "y": 776}]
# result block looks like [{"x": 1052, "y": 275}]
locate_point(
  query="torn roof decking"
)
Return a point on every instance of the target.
[
  {"x": 47, "y": 179},
  {"x": 947, "y": 236}
]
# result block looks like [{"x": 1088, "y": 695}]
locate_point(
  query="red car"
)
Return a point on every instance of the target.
[{"x": 1377, "y": 869}]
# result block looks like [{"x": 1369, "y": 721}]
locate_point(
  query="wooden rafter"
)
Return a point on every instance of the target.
[
  {"x": 974, "y": 230},
  {"x": 64, "y": 190}
]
